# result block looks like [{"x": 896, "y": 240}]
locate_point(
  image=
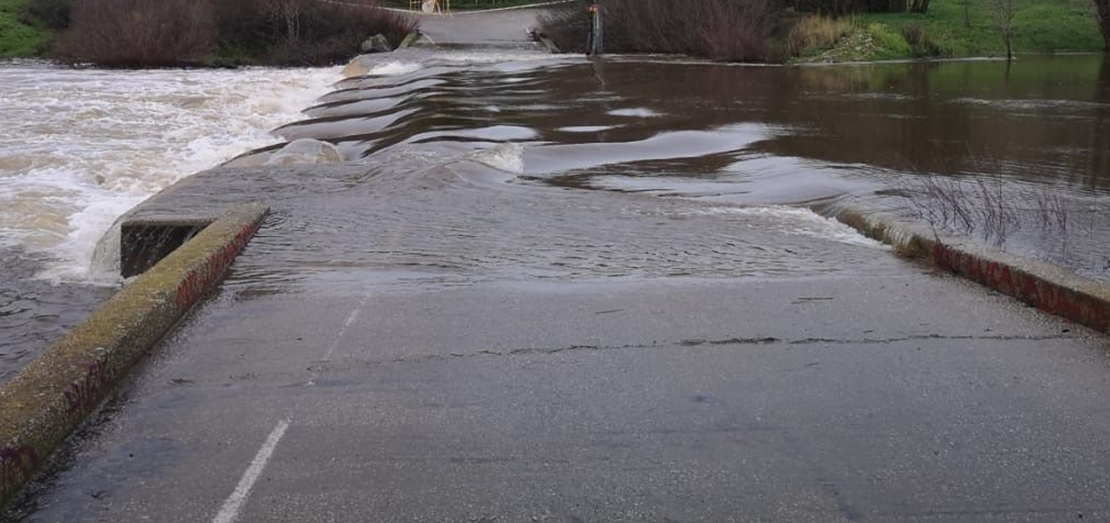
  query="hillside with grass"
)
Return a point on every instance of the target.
[
  {"x": 740, "y": 30},
  {"x": 21, "y": 35},
  {"x": 953, "y": 29}
]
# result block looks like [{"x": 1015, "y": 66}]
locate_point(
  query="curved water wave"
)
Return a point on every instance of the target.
[{"x": 536, "y": 168}]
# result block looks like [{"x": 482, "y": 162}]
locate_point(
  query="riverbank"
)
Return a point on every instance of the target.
[
  {"x": 763, "y": 32},
  {"x": 181, "y": 33},
  {"x": 21, "y": 36},
  {"x": 948, "y": 31}
]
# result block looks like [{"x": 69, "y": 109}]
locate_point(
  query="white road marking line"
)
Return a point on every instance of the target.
[
  {"x": 230, "y": 511},
  {"x": 346, "y": 325},
  {"x": 339, "y": 337}
]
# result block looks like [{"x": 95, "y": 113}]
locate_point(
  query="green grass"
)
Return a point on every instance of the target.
[
  {"x": 1040, "y": 26},
  {"x": 20, "y": 36}
]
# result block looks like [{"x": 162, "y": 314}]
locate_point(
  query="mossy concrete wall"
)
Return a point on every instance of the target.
[
  {"x": 42, "y": 404},
  {"x": 1049, "y": 288}
]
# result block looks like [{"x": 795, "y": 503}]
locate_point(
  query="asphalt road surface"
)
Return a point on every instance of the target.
[{"x": 901, "y": 397}]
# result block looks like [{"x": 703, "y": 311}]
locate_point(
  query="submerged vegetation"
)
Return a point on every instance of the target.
[
  {"x": 161, "y": 33},
  {"x": 832, "y": 30},
  {"x": 992, "y": 209}
]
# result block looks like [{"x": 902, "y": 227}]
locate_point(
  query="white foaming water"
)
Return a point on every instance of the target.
[
  {"x": 395, "y": 69},
  {"x": 79, "y": 147},
  {"x": 507, "y": 157},
  {"x": 587, "y": 128},
  {"x": 637, "y": 112},
  {"x": 801, "y": 222}
]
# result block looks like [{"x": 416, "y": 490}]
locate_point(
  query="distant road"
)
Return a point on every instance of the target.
[{"x": 503, "y": 28}]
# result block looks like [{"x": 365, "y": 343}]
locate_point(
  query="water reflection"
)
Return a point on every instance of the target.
[
  {"x": 34, "y": 312},
  {"x": 710, "y": 133}
]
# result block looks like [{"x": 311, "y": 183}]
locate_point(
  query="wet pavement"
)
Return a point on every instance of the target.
[
  {"x": 498, "y": 29},
  {"x": 588, "y": 308},
  {"x": 893, "y": 395}
]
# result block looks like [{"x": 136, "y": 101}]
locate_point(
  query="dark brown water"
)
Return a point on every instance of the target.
[
  {"x": 33, "y": 311},
  {"x": 1017, "y": 155},
  {"x": 464, "y": 167}
]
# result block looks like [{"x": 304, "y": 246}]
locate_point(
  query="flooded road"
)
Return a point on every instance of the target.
[
  {"x": 456, "y": 158},
  {"x": 544, "y": 289},
  {"x": 734, "y": 148}
]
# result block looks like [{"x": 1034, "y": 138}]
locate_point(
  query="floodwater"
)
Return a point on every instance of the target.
[
  {"x": 464, "y": 167},
  {"x": 80, "y": 147},
  {"x": 1016, "y": 155}
]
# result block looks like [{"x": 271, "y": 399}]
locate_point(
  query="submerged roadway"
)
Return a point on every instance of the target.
[{"x": 442, "y": 347}]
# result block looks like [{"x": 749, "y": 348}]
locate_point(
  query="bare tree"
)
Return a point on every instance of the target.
[
  {"x": 919, "y": 6},
  {"x": 1102, "y": 7},
  {"x": 967, "y": 13},
  {"x": 1004, "y": 11}
]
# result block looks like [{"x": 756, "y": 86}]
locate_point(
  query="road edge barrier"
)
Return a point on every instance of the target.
[
  {"x": 51, "y": 396},
  {"x": 1047, "y": 287}
]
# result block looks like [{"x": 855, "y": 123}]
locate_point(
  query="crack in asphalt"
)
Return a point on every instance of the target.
[
  {"x": 692, "y": 343},
  {"x": 920, "y": 337},
  {"x": 351, "y": 363}
]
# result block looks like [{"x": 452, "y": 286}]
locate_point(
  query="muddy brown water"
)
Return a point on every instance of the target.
[
  {"x": 1017, "y": 155},
  {"x": 518, "y": 166}
]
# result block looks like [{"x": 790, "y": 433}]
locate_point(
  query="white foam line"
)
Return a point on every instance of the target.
[{"x": 230, "y": 510}]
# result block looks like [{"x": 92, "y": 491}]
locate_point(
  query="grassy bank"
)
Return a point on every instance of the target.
[
  {"x": 1039, "y": 26},
  {"x": 20, "y": 34},
  {"x": 946, "y": 30}
]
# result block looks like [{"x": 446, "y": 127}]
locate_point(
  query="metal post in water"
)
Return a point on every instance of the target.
[{"x": 596, "y": 44}]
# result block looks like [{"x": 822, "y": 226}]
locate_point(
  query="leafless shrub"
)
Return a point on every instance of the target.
[
  {"x": 813, "y": 32},
  {"x": 990, "y": 207},
  {"x": 726, "y": 30},
  {"x": 139, "y": 33},
  {"x": 1004, "y": 12},
  {"x": 160, "y": 33},
  {"x": 54, "y": 13},
  {"x": 736, "y": 31},
  {"x": 921, "y": 43},
  {"x": 318, "y": 32},
  {"x": 305, "y": 32},
  {"x": 1051, "y": 209}
]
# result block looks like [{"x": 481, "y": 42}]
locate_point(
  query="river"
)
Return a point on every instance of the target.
[{"x": 1017, "y": 155}]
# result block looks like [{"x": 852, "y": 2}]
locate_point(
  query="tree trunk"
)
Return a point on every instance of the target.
[
  {"x": 1008, "y": 35},
  {"x": 1103, "y": 8}
]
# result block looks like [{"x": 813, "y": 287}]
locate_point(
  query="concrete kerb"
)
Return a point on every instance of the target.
[
  {"x": 410, "y": 39},
  {"x": 42, "y": 404},
  {"x": 547, "y": 42},
  {"x": 1049, "y": 288}
]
